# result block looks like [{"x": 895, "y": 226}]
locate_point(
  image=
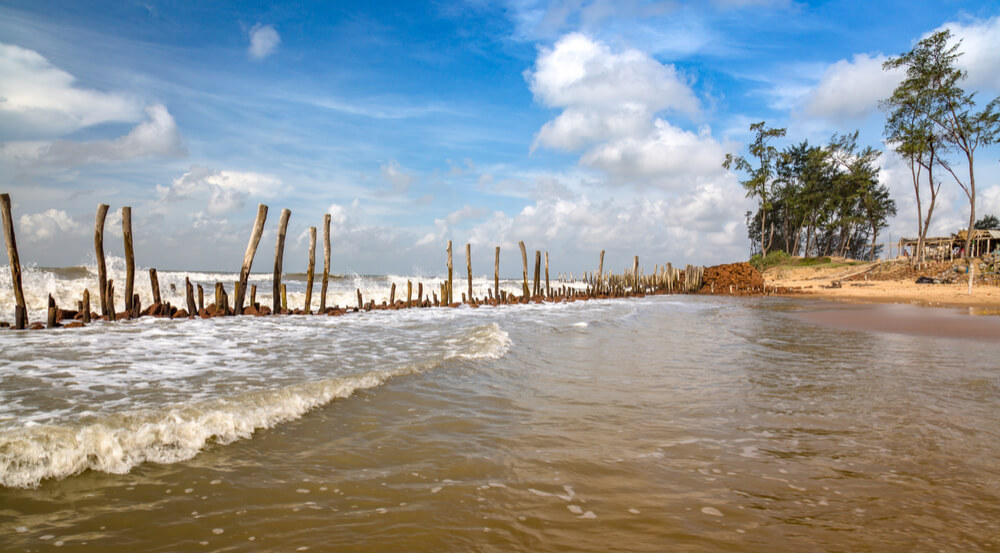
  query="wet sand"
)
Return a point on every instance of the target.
[{"x": 913, "y": 320}]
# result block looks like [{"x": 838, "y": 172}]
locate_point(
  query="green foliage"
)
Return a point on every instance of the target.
[
  {"x": 813, "y": 261},
  {"x": 989, "y": 222},
  {"x": 760, "y": 179},
  {"x": 772, "y": 259}
]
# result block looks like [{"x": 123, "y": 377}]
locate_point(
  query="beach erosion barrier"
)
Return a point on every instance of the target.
[{"x": 731, "y": 279}]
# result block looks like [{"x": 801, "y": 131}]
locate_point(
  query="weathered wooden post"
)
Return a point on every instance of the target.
[
  {"x": 154, "y": 284},
  {"x": 102, "y": 270},
  {"x": 326, "y": 262},
  {"x": 201, "y": 299},
  {"x": 129, "y": 259},
  {"x": 258, "y": 230},
  {"x": 409, "y": 293},
  {"x": 279, "y": 252},
  {"x": 311, "y": 268},
  {"x": 392, "y": 295},
  {"x": 468, "y": 267},
  {"x": 51, "y": 321},
  {"x": 253, "y": 295},
  {"x": 548, "y": 289},
  {"x": 20, "y": 308},
  {"x": 600, "y": 272},
  {"x": 447, "y": 298},
  {"x": 524, "y": 263},
  {"x": 109, "y": 298},
  {"x": 496, "y": 275},
  {"x": 86, "y": 307},
  {"x": 360, "y": 300},
  {"x": 189, "y": 292},
  {"x": 420, "y": 293},
  {"x": 284, "y": 298},
  {"x": 536, "y": 289},
  {"x": 635, "y": 274}
]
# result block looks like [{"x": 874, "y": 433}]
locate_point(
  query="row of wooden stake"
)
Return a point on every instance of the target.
[{"x": 631, "y": 282}]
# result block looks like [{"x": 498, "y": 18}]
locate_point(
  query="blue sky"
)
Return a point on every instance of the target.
[{"x": 575, "y": 126}]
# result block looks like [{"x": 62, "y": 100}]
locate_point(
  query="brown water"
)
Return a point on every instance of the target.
[{"x": 661, "y": 424}]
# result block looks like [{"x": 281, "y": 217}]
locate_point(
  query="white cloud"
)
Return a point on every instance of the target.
[
  {"x": 158, "y": 136},
  {"x": 263, "y": 41},
  {"x": 668, "y": 157},
  {"x": 604, "y": 94},
  {"x": 397, "y": 176},
  {"x": 464, "y": 214},
  {"x": 41, "y": 100},
  {"x": 981, "y": 52},
  {"x": 851, "y": 89},
  {"x": 48, "y": 224},
  {"x": 610, "y": 103},
  {"x": 226, "y": 190}
]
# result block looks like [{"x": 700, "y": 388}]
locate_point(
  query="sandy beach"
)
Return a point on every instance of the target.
[{"x": 849, "y": 283}]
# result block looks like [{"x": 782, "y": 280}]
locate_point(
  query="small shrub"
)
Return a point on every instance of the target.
[{"x": 773, "y": 258}]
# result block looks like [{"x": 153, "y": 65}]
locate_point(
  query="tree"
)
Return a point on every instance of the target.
[
  {"x": 759, "y": 180},
  {"x": 859, "y": 175},
  {"x": 989, "y": 222},
  {"x": 933, "y": 78},
  {"x": 912, "y": 134}
]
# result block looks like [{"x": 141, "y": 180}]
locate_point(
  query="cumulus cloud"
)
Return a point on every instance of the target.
[
  {"x": 226, "y": 190},
  {"x": 851, "y": 89},
  {"x": 41, "y": 100},
  {"x": 981, "y": 54},
  {"x": 603, "y": 93},
  {"x": 263, "y": 41},
  {"x": 397, "y": 176},
  {"x": 466, "y": 213},
  {"x": 158, "y": 136},
  {"x": 48, "y": 224},
  {"x": 610, "y": 101}
]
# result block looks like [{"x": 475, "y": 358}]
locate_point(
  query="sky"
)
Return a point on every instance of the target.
[{"x": 573, "y": 125}]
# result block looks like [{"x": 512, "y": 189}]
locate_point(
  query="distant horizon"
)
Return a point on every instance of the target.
[{"x": 575, "y": 127}]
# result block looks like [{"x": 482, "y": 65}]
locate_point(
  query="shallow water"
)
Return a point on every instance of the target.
[{"x": 663, "y": 423}]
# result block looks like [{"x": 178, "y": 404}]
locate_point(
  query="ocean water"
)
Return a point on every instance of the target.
[{"x": 664, "y": 423}]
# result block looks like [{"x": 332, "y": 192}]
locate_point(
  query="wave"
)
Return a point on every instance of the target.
[{"x": 116, "y": 443}]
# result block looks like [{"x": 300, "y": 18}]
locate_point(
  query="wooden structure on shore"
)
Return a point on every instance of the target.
[{"x": 632, "y": 282}]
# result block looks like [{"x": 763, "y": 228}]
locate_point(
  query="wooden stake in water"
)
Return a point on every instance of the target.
[
  {"x": 258, "y": 230},
  {"x": 109, "y": 298},
  {"x": 311, "y": 269},
  {"x": 524, "y": 263},
  {"x": 154, "y": 283},
  {"x": 496, "y": 275},
  {"x": 20, "y": 308},
  {"x": 189, "y": 292},
  {"x": 129, "y": 258},
  {"x": 102, "y": 270},
  {"x": 51, "y": 323},
  {"x": 537, "y": 288},
  {"x": 447, "y": 298},
  {"x": 600, "y": 271},
  {"x": 468, "y": 267},
  {"x": 86, "y": 306},
  {"x": 279, "y": 252},
  {"x": 326, "y": 262},
  {"x": 548, "y": 289}
]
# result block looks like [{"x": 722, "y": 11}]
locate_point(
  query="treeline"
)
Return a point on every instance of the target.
[{"x": 813, "y": 200}]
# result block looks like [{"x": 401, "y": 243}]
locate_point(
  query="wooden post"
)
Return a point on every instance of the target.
[
  {"x": 326, "y": 262},
  {"x": 279, "y": 252},
  {"x": 392, "y": 295},
  {"x": 496, "y": 275},
  {"x": 635, "y": 273},
  {"x": 409, "y": 293},
  {"x": 312, "y": 268},
  {"x": 154, "y": 283},
  {"x": 600, "y": 271},
  {"x": 109, "y": 298},
  {"x": 548, "y": 289},
  {"x": 524, "y": 263},
  {"x": 360, "y": 302},
  {"x": 20, "y": 308},
  {"x": 86, "y": 306},
  {"x": 102, "y": 270},
  {"x": 537, "y": 288},
  {"x": 129, "y": 258},
  {"x": 51, "y": 322},
  {"x": 447, "y": 298},
  {"x": 284, "y": 298},
  {"x": 420, "y": 293},
  {"x": 189, "y": 292},
  {"x": 258, "y": 230},
  {"x": 218, "y": 296},
  {"x": 468, "y": 267},
  {"x": 253, "y": 295},
  {"x": 201, "y": 298}
]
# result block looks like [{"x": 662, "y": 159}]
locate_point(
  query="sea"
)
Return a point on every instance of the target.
[{"x": 664, "y": 423}]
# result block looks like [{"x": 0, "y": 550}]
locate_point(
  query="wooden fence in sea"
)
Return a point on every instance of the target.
[{"x": 631, "y": 282}]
